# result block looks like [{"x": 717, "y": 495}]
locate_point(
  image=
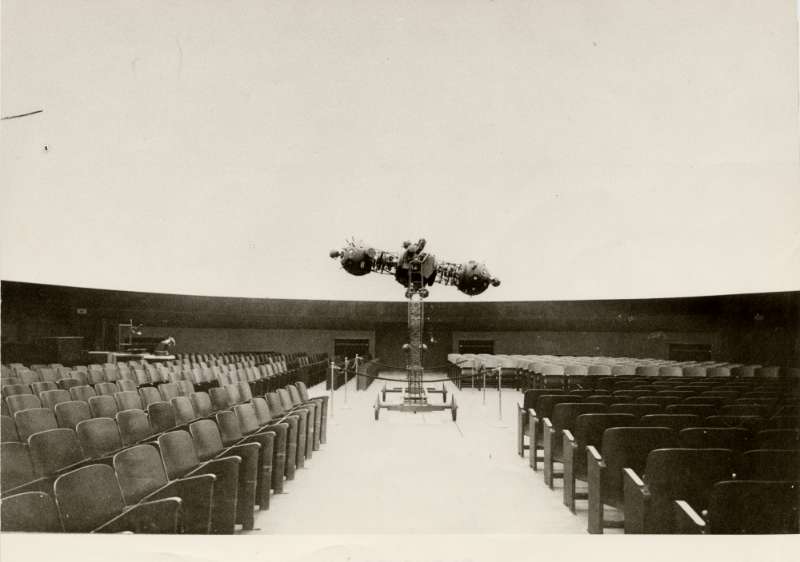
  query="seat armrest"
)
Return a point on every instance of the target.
[
  {"x": 687, "y": 520},
  {"x": 637, "y": 502},
  {"x": 593, "y": 455},
  {"x": 159, "y": 516}
]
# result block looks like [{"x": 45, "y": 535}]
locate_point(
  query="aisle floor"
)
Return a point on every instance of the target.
[{"x": 419, "y": 473}]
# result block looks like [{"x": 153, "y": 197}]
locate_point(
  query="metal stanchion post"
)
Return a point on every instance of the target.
[
  {"x": 484, "y": 386},
  {"x": 346, "y": 364},
  {"x": 500, "y": 392},
  {"x": 333, "y": 366},
  {"x": 355, "y": 368}
]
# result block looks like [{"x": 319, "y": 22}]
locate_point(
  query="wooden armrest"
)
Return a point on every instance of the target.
[
  {"x": 687, "y": 520},
  {"x": 637, "y": 502},
  {"x": 593, "y": 454},
  {"x": 568, "y": 437}
]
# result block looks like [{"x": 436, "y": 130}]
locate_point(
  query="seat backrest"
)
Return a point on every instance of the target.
[
  {"x": 103, "y": 406},
  {"x": 246, "y": 414},
  {"x": 684, "y": 474},
  {"x": 736, "y": 439},
  {"x": 229, "y": 428},
  {"x": 95, "y": 377},
  {"x": 17, "y": 402},
  {"x": 715, "y": 401},
  {"x": 149, "y": 395},
  {"x": 788, "y": 439},
  {"x": 17, "y": 467},
  {"x": 127, "y": 385},
  {"x": 168, "y": 391},
  {"x": 69, "y": 414},
  {"x": 12, "y": 389},
  {"x": 201, "y": 402},
  {"x": 589, "y": 428},
  {"x": 185, "y": 387},
  {"x": 635, "y": 408},
  {"x": 628, "y": 447},
  {"x": 98, "y": 437},
  {"x": 675, "y": 422},
  {"x": 565, "y": 413},
  {"x": 702, "y": 410},
  {"x": 177, "y": 450},
  {"x": 182, "y": 409},
  {"x": 82, "y": 392},
  {"x": 749, "y": 507},
  {"x": 106, "y": 388},
  {"x": 128, "y": 400},
  {"x": 303, "y": 389},
  {"x": 88, "y": 497},
  {"x": 207, "y": 439},
  {"x": 245, "y": 393},
  {"x": 753, "y": 423},
  {"x": 770, "y": 464},
  {"x": 53, "y": 450},
  {"x": 275, "y": 404},
  {"x": 33, "y": 420},
  {"x": 140, "y": 472},
  {"x": 234, "y": 394},
  {"x": 9, "y": 430},
  {"x": 743, "y": 410},
  {"x": 263, "y": 415},
  {"x": 546, "y": 402},
  {"x": 39, "y": 387},
  {"x": 133, "y": 426},
  {"x": 33, "y": 512},
  {"x": 286, "y": 398},
  {"x": 220, "y": 398},
  {"x": 294, "y": 394},
  {"x": 50, "y": 398},
  {"x": 162, "y": 416}
]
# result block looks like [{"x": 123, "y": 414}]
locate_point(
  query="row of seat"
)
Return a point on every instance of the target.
[
  {"x": 643, "y": 462},
  {"x": 534, "y": 367},
  {"x": 55, "y": 448}
]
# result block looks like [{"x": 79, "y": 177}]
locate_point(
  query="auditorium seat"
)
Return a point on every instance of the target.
[
  {"x": 563, "y": 418},
  {"x": 16, "y": 470},
  {"x": 134, "y": 426},
  {"x": 98, "y": 437},
  {"x": 589, "y": 430},
  {"x": 280, "y": 405},
  {"x": 181, "y": 461},
  {"x": 201, "y": 402},
  {"x": 106, "y": 388},
  {"x": 770, "y": 464},
  {"x": 39, "y": 387},
  {"x": 744, "y": 507},
  {"x": 661, "y": 400},
  {"x": 103, "y": 406},
  {"x": 168, "y": 390},
  {"x": 208, "y": 445},
  {"x": 82, "y": 392},
  {"x": 127, "y": 385},
  {"x": 161, "y": 417},
  {"x": 89, "y": 500},
  {"x": 149, "y": 395},
  {"x": 69, "y": 414},
  {"x": 142, "y": 478},
  {"x": 18, "y": 402},
  {"x": 266, "y": 418},
  {"x": 33, "y": 512},
  {"x": 54, "y": 450},
  {"x": 128, "y": 400},
  {"x": 669, "y": 475},
  {"x": 13, "y": 389},
  {"x": 743, "y": 410},
  {"x": 543, "y": 409},
  {"x": 737, "y": 439},
  {"x": 33, "y": 420},
  {"x": 231, "y": 434},
  {"x": 249, "y": 425},
  {"x": 622, "y": 447}
]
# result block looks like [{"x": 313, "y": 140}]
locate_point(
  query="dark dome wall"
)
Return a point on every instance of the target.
[{"x": 753, "y": 328}]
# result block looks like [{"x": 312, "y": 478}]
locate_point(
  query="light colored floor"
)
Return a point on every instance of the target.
[{"x": 419, "y": 473}]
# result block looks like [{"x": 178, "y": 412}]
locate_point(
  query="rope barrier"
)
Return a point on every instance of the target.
[{"x": 378, "y": 377}]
